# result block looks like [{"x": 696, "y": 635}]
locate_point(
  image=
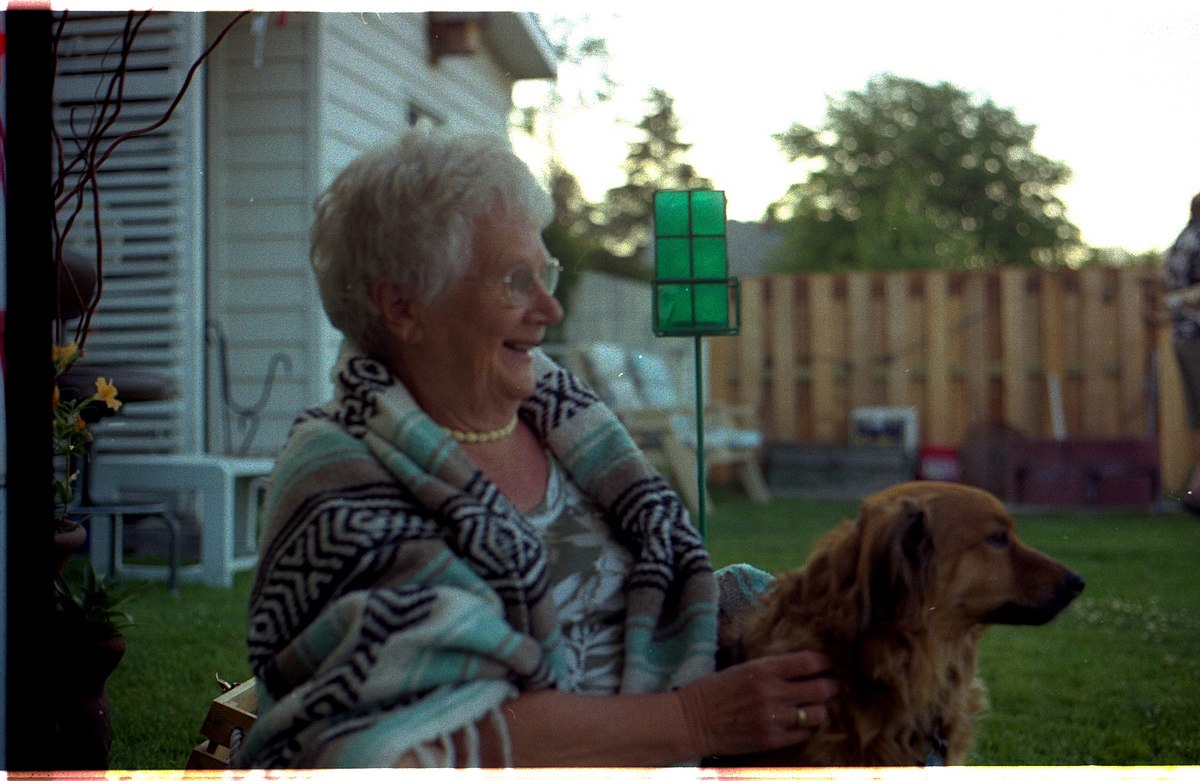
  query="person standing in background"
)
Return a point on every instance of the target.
[{"x": 1183, "y": 301}]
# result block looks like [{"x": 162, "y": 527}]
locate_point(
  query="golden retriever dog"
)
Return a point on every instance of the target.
[{"x": 899, "y": 599}]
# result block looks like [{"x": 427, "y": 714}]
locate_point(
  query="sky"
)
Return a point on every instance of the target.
[{"x": 1113, "y": 89}]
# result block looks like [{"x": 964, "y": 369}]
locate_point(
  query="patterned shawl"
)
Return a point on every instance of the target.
[{"x": 400, "y": 597}]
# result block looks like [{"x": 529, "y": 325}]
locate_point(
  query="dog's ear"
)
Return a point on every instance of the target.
[{"x": 896, "y": 562}]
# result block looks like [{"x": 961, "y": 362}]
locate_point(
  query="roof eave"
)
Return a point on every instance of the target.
[{"x": 520, "y": 45}]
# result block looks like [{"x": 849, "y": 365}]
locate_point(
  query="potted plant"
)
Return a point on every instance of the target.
[
  {"x": 87, "y": 623},
  {"x": 89, "y": 644},
  {"x": 71, "y": 434}
]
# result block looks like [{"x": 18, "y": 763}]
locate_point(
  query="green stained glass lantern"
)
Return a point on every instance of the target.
[{"x": 693, "y": 292}]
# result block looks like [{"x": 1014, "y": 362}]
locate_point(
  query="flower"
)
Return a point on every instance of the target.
[
  {"x": 70, "y": 428},
  {"x": 107, "y": 392},
  {"x": 64, "y": 356}
]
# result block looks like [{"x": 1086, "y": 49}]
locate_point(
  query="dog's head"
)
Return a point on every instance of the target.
[{"x": 949, "y": 553}]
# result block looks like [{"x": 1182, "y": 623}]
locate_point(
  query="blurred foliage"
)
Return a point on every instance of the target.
[
  {"x": 583, "y": 79},
  {"x": 1117, "y": 257},
  {"x": 574, "y": 238},
  {"x": 911, "y": 175},
  {"x": 612, "y": 236},
  {"x": 657, "y": 160},
  {"x": 902, "y": 175},
  {"x": 577, "y": 235}
]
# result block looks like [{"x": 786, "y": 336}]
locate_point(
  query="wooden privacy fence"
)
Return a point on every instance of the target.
[{"x": 1038, "y": 351}]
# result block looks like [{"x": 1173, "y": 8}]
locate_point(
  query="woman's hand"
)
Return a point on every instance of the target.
[
  {"x": 756, "y": 706},
  {"x": 742, "y": 709}
]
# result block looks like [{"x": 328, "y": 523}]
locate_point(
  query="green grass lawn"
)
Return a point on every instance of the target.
[
  {"x": 1114, "y": 680},
  {"x": 165, "y": 684}
]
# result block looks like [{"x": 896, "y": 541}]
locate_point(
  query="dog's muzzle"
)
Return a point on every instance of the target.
[{"x": 1035, "y": 615}]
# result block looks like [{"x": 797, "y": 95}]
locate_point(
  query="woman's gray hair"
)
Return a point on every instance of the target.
[{"x": 406, "y": 211}]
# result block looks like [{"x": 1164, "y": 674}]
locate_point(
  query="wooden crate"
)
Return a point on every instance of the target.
[{"x": 229, "y": 719}]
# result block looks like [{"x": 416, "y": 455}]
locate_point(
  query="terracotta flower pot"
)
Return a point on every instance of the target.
[
  {"x": 83, "y": 735},
  {"x": 66, "y": 542}
]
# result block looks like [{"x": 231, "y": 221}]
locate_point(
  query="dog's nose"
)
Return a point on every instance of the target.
[{"x": 1073, "y": 584}]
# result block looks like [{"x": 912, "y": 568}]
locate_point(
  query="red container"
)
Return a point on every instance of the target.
[{"x": 939, "y": 462}]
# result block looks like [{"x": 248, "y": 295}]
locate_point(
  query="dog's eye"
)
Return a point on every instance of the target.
[{"x": 999, "y": 539}]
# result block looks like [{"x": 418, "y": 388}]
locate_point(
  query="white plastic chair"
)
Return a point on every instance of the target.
[{"x": 641, "y": 388}]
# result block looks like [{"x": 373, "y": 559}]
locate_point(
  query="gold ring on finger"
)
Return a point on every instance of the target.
[{"x": 801, "y": 716}]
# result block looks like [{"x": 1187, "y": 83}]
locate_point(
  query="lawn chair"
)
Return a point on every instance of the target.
[{"x": 641, "y": 389}]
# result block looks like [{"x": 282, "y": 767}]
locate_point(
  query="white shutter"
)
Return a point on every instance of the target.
[{"x": 151, "y": 311}]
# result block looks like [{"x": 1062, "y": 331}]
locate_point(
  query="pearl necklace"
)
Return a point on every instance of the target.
[{"x": 472, "y": 437}]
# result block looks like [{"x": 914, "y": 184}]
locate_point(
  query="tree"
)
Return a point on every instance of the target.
[
  {"x": 583, "y": 79},
  {"x": 572, "y": 235},
  {"x": 583, "y": 82},
  {"x": 911, "y": 175},
  {"x": 1119, "y": 257},
  {"x": 656, "y": 161}
]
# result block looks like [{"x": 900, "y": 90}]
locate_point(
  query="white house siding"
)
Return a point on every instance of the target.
[
  {"x": 260, "y": 291},
  {"x": 376, "y": 72},
  {"x": 152, "y": 294},
  {"x": 367, "y": 63},
  {"x": 284, "y": 118},
  {"x": 375, "y": 77}
]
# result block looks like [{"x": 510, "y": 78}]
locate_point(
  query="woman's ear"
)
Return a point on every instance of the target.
[{"x": 397, "y": 310}]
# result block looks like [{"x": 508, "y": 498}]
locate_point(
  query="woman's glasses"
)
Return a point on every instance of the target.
[{"x": 520, "y": 283}]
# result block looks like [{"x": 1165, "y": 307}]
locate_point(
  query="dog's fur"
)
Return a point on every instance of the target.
[{"x": 899, "y": 599}]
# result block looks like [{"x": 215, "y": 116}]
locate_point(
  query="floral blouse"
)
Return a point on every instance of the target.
[{"x": 587, "y": 576}]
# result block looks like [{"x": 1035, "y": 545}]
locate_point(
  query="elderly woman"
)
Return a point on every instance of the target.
[{"x": 468, "y": 562}]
